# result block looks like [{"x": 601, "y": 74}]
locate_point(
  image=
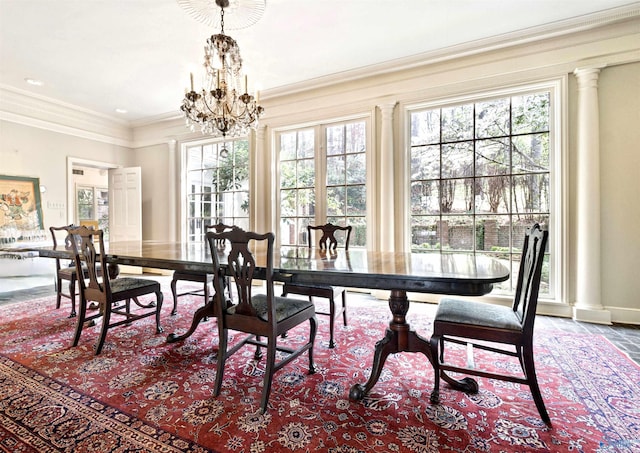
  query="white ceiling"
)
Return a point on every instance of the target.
[{"x": 136, "y": 55}]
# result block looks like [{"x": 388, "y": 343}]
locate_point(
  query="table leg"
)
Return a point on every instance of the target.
[{"x": 398, "y": 338}]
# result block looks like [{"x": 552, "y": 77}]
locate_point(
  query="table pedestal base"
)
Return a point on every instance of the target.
[{"x": 400, "y": 338}]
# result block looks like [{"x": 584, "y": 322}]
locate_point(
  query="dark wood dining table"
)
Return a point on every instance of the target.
[{"x": 439, "y": 273}]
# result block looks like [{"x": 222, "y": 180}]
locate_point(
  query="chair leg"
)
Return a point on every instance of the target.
[
  {"x": 222, "y": 358},
  {"x": 106, "y": 319},
  {"x": 206, "y": 299},
  {"x": 80, "y": 321},
  {"x": 532, "y": 380},
  {"x": 175, "y": 297},
  {"x": 72, "y": 294},
  {"x": 344, "y": 307},
  {"x": 268, "y": 373},
  {"x": 159, "y": 299},
  {"x": 435, "y": 344},
  {"x": 332, "y": 321},
  {"x": 313, "y": 329},
  {"x": 58, "y": 292}
]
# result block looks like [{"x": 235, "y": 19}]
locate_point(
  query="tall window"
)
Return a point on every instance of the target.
[
  {"x": 323, "y": 182},
  {"x": 480, "y": 174},
  {"x": 217, "y": 186}
]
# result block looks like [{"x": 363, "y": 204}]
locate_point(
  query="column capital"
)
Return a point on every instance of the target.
[
  {"x": 588, "y": 76},
  {"x": 386, "y": 108}
]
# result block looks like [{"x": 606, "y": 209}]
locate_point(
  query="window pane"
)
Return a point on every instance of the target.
[
  {"x": 425, "y": 233},
  {"x": 336, "y": 202},
  {"x": 493, "y": 157},
  {"x": 531, "y": 153},
  {"x": 457, "y": 160},
  {"x": 457, "y": 233},
  {"x": 306, "y": 173},
  {"x": 425, "y": 127},
  {"x": 492, "y": 118},
  {"x": 425, "y": 162},
  {"x": 356, "y": 200},
  {"x": 305, "y": 144},
  {"x": 356, "y": 169},
  {"x": 356, "y": 137},
  {"x": 531, "y": 113},
  {"x": 492, "y": 195},
  {"x": 425, "y": 197},
  {"x": 531, "y": 193},
  {"x": 335, "y": 140},
  {"x": 288, "y": 146},
  {"x": 457, "y": 123},
  {"x": 306, "y": 202},
  {"x": 287, "y": 174},
  {"x": 336, "y": 171},
  {"x": 456, "y": 195}
]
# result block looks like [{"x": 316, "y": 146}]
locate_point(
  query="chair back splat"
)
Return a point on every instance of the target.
[
  {"x": 328, "y": 243},
  {"x": 263, "y": 317},
  {"x": 477, "y": 325},
  {"x": 90, "y": 257},
  {"x": 203, "y": 278}
]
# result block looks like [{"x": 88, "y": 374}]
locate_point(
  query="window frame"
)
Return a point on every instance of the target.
[
  {"x": 184, "y": 189},
  {"x": 558, "y": 173},
  {"x": 320, "y": 155}
]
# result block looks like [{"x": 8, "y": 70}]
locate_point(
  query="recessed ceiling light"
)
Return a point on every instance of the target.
[
  {"x": 121, "y": 111},
  {"x": 34, "y": 82}
]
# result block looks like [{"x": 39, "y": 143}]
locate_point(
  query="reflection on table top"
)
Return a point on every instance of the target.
[{"x": 429, "y": 272}]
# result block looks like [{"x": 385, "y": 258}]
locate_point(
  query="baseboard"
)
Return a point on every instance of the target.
[
  {"x": 596, "y": 316},
  {"x": 625, "y": 315}
]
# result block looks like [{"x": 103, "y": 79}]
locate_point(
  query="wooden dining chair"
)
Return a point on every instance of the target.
[
  {"x": 482, "y": 326},
  {"x": 204, "y": 278},
  {"x": 326, "y": 242},
  {"x": 66, "y": 270},
  {"x": 263, "y": 317},
  {"x": 89, "y": 252}
]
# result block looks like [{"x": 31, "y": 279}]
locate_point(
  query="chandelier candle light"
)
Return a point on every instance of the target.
[{"x": 222, "y": 108}]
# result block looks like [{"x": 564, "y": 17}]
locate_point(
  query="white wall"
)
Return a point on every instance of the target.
[
  {"x": 620, "y": 189},
  {"x": 35, "y": 152}
]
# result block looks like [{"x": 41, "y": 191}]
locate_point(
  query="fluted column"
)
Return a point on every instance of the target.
[
  {"x": 172, "y": 185},
  {"x": 588, "y": 292},
  {"x": 386, "y": 186}
]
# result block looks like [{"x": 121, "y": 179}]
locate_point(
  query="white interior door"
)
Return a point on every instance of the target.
[{"x": 125, "y": 208}]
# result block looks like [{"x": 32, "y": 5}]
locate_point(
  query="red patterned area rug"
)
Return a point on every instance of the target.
[{"x": 144, "y": 395}]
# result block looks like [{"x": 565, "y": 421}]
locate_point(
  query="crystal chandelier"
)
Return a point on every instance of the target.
[{"x": 224, "y": 107}]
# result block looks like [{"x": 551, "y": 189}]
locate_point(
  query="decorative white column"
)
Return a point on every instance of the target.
[
  {"x": 260, "y": 192},
  {"x": 172, "y": 178},
  {"x": 386, "y": 183},
  {"x": 588, "y": 292}
]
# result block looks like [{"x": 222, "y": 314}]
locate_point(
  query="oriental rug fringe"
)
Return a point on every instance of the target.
[{"x": 145, "y": 395}]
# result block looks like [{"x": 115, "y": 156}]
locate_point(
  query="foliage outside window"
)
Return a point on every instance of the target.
[
  {"x": 480, "y": 175},
  {"x": 342, "y": 161},
  {"x": 217, "y": 186}
]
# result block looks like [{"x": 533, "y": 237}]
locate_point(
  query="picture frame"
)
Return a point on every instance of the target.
[{"x": 20, "y": 203}]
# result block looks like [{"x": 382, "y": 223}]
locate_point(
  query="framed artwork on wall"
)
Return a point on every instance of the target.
[{"x": 20, "y": 205}]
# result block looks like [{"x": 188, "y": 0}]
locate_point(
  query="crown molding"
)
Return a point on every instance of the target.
[{"x": 38, "y": 111}]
